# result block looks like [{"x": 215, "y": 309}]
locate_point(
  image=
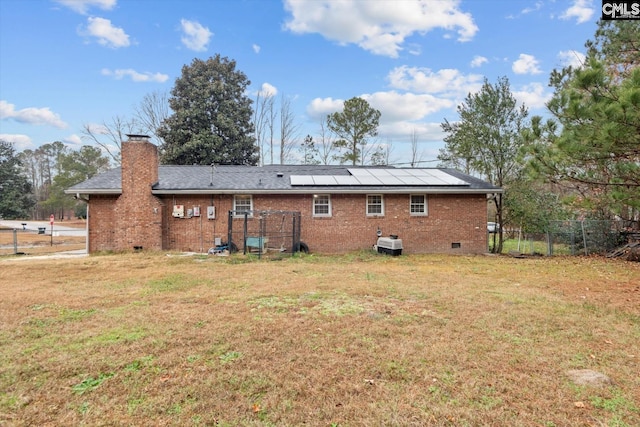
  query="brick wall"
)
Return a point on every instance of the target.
[
  {"x": 454, "y": 224},
  {"x": 102, "y": 234}
]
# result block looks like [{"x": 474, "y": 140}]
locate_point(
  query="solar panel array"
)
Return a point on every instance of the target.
[{"x": 382, "y": 177}]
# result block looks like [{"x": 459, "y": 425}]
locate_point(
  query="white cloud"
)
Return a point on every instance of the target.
[
  {"x": 32, "y": 116},
  {"x": 267, "y": 90},
  {"x": 526, "y": 64},
  {"x": 478, "y": 60},
  {"x": 533, "y": 95},
  {"x": 582, "y": 10},
  {"x": 424, "y": 80},
  {"x": 380, "y": 27},
  {"x": 135, "y": 76},
  {"x": 396, "y": 106},
  {"x": 196, "y": 37},
  {"x": 571, "y": 58},
  {"x": 320, "y": 107},
  {"x": 82, "y": 6},
  {"x": 537, "y": 6},
  {"x": 392, "y": 105},
  {"x": 256, "y": 48},
  {"x": 106, "y": 33},
  {"x": 20, "y": 142},
  {"x": 402, "y": 131},
  {"x": 74, "y": 140}
]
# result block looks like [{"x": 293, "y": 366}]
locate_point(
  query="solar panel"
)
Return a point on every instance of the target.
[
  {"x": 411, "y": 180},
  {"x": 301, "y": 180},
  {"x": 368, "y": 178},
  {"x": 358, "y": 172},
  {"x": 390, "y": 180},
  {"x": 324, "y": 180},
  {"x": 346, "y": 180},
  {"x": 446, "y": 178},
  {"x": 382, "y": 177}
]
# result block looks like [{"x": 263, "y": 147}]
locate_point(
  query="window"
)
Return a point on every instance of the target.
[
  {"x": 417, "y": 204},
  {"x": 321, "y": 205},
  {"x": 242, "y": 203},
  {"x": 375, "y": 205}
]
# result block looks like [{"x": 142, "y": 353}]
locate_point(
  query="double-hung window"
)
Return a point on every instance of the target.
[
  {"x": 375, "y": 205},
  {"x": 321, "y": 205},
  {"x": 242, "y": 203},
  {"x": 418, "y": 205}
]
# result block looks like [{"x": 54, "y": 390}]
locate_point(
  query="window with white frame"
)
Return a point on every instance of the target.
[
  {"x": 242, "y": 203},
  {"x": 418, "y": 204},
  {"x": 321, "y": 205},
  {"x": 375, "y": 204}
]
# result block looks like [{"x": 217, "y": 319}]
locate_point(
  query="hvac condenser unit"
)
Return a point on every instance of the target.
[{"x": 389, "y": 246}]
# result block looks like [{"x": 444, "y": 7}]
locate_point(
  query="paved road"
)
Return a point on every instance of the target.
[
  {"x": 58, "y": 227},
  {"x": 56, "y": 255}
]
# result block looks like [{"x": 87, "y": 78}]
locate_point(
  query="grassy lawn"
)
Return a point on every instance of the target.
[{"x": 156, "y": 339}]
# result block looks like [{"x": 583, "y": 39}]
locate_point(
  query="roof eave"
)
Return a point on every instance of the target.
[
  {"x": 316, "y": 190},
  {"x": 306, "y": 190},
  {"x": 95, "y": 191}
]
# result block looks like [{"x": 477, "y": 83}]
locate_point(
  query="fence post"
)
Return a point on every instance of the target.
[
  {"x": 549, "y": 244},
  {"x": 15, "y": 241},
  {"x": 584, "y": 238}
]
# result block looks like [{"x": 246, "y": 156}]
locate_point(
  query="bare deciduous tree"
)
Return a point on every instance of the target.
[
  {"x": 151, "y": 112},
  {"x": 259, "y": 121},
  {"x": 326, "y": 146},
  {"x": 416, "y": 156},
  {"x": 289, "y": 129},
  {"x": 109, "y": 136}
]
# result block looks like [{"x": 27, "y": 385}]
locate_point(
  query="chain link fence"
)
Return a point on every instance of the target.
[{"x": 573, "y": 237}]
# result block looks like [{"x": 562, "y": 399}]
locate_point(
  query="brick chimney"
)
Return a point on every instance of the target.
[{"x": 138, "y": 212}]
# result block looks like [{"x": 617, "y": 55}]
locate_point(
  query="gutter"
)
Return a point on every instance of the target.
[{"x": 316, "y": 190}]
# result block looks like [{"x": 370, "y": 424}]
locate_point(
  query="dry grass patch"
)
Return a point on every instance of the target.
[{"x": 161, "y": 339}]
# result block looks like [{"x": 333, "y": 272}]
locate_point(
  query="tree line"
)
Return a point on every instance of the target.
[
  {"x": 581, "y": 161},
  {"x": 32, "y": 182}
]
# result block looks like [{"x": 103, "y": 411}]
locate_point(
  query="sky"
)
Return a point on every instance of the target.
[{"x": 68, "y": 64}]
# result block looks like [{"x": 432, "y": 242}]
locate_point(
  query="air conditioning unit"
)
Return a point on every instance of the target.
[{"x": 389, "y": 246}]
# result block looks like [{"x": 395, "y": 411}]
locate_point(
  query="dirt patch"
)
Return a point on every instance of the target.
[{"x": 589, "y": 377}]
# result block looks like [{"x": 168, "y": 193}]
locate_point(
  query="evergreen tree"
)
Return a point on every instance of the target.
[
  {"x": 16, "y": 198},
  {"x": 309, "y": 151},
  {"x": 75, "y": 167},
  {"x": 211, "y": 119},
  {"x": 487, "y": 139},
  {"x": 357, "y": 122},
  {"x": 593, "y": 143}
]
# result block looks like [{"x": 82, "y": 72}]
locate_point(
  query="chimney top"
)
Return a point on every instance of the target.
[{"x": 139, "y": 138}]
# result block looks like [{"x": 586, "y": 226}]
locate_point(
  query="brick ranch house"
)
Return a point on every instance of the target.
[{"x": 342, "y": 208}]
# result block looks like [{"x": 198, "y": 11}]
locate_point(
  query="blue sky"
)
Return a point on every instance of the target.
[{"x": 67, "y": 64}]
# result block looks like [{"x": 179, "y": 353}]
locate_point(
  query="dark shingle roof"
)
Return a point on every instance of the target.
[{"x": 265, "y": 179}]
